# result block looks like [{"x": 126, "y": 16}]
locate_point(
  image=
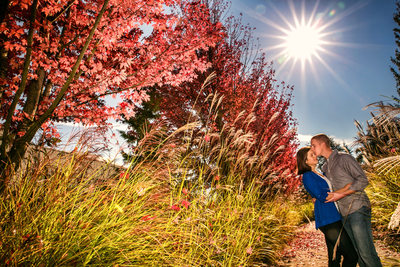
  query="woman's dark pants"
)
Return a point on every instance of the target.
[{"x": 345, "y": 247}]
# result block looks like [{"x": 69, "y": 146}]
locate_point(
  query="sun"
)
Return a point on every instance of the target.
[
  {"x": 302, "y": 39},
  {"x": 305, "y": 35},
  {"x": 303, "y": 42}
]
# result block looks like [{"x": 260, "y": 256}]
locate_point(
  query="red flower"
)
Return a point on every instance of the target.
[
  {"x": 185, "y": 191},
  {"x": 175, "y": 207},
  {"x": 185, "y": 203},
  {"x": 216, "y": 178},
  {"x": 207, "y": 138}
]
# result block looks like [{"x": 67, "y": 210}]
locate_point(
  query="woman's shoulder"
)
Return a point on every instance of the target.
[
  {"x": 308, "y": 174},
  {"x": 312, "y": 177}
]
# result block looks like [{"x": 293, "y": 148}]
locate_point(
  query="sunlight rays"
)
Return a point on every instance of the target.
[{"x": 304, "y": 39}]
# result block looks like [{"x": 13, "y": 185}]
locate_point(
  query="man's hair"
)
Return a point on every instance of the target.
[
  {"x": 322, "y": 138},
  {"x": 301, "y": 156}
]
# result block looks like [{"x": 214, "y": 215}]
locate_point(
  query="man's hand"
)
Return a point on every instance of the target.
[
  {"x": 338, "y": 194},
  {"x": 334, "y": 196}
]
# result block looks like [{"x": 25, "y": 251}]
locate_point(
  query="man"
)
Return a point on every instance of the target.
[{"x": 354, "y": 205}]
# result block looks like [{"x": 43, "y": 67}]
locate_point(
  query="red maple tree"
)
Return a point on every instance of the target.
[
  {"x": 62, "y": 58},
  {"x": 242, "y": 78}
]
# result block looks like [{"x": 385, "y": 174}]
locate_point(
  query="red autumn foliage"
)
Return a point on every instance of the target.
[
  {"x": 61, "y": 59},
  {"x": 185, "y": 191},
  {"x": 185, "y": 203},
  {"x": 146, "y": 218},
  {"x": 175, "y": 207}
]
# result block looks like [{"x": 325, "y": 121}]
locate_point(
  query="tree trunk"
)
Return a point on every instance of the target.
[
  {"x": 3, "y": 9},
  {"x": 33, "y": 94}
]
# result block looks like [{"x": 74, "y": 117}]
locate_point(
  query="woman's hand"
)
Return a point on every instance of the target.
[
  {"x": 339, "y": 194},
  {"x": 334, "y": 196}
]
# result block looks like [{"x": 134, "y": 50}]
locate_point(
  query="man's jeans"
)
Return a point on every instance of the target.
[{"x": 358, "y": 227}]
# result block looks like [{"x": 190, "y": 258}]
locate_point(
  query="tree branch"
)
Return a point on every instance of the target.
[
  {"x": 61, "y": 12},
  {"x": 37, "y": 124},
  {"x": 111, "y": 93}
]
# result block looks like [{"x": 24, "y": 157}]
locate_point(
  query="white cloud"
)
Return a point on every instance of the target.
[
  {"x": 306, "y": 138},
  {"x": 115, "y": 125},
  {"x": 69, "y": 124}
]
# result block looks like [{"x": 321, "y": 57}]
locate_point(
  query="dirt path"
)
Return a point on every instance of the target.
[{"x": 308, "y": 249}]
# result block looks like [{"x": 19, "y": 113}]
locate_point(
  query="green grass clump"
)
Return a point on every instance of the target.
[
  {"x": 134, "y": 219},
  {"x": 384, "y": 192},
  {"x": 173, "y": 206},
  {"x": 379, "y": 150}
]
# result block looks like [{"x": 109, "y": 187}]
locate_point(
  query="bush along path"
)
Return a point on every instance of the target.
[{"x": 308, "y": 248}]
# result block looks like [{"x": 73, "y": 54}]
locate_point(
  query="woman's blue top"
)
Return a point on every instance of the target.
[{"x": 317, "y": 187}]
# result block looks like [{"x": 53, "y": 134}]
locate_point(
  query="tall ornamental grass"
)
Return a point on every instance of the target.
[
  {"x": 173, "y": 206},
  {"x": 384, "y": 191},
  {"x": 379, "y": 147}
]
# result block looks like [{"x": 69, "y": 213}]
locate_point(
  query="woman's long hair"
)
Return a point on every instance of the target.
[{"x": 301, "y": 156}]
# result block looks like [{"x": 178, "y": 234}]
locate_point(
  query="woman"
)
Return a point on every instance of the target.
[{"x": 327, "y": 217}]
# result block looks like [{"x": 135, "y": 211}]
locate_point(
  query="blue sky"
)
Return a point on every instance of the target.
[{"x": 331, "y": 92}]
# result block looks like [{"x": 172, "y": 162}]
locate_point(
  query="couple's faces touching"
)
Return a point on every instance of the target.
[
  {"x": 311, "y": 158},
  {"x": 316, "y": 147}
]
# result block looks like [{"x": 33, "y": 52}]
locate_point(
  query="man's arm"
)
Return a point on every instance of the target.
[
  {"x": 338, "y": 194},
  {"x": 359, "y": 179},
  {"x": 354, "y": 170}
]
